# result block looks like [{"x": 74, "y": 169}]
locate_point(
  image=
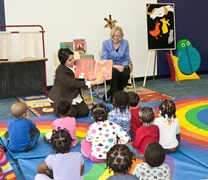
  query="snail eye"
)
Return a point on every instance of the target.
[{"x": 188, "y": 43}]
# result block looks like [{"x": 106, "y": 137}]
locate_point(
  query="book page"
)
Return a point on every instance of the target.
[
  {"x": 84, "y": 68},
  {"x": 103, "y": 69}
]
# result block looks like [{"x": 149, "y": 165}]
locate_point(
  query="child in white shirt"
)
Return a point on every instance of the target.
[
  {"x": 169, "y": 127},
  {"x": 153, "y": 166}
]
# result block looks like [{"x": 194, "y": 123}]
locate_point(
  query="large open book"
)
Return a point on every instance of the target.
[{"x": 93, "y": 69}]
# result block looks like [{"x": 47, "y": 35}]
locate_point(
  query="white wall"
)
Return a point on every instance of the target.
[{"x": 66, "y": 20}]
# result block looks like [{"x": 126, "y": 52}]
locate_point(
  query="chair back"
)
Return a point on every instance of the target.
[
  {"x": 131, "y": 66},
  {"x": 99, "y": 54},
  {"x": 76, "y": 55},
  {"x": 56, "y": 59},
  {"x": 57, "y": 62}
]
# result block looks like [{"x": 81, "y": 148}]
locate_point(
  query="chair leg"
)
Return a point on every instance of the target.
[
  {"x": 91, "y": 94},
  {"x": 105, "y": 89},
  {"x": 97, "y": 90},
  {"x": 106, "y": 98},
  {"x": 133, "y": 82}
]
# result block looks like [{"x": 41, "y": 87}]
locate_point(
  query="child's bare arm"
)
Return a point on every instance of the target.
[
  {"x": 42, "y": 168},
  {"x": 27, "y": 115},
  {"x": 82, "y": 170}
]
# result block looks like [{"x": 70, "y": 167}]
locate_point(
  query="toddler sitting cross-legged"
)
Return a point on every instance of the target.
[{"x": 102, "y": 135}]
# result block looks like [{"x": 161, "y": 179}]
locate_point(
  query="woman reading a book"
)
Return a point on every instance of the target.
[
  {"x": 67, "y": 87},
  {"x": 117, "y": 49}
]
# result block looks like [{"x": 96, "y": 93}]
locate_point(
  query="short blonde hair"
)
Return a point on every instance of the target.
[
  {"x": 18, "y": 109},
  {"x": 116, "y": 28}
]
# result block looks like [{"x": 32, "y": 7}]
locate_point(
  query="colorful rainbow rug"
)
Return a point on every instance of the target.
[
  {"x": 190, "y": 162},
  {"x": 40, "y": 106}
]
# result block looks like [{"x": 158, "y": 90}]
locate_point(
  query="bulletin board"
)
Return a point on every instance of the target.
[{"x": 161, "y": 26}]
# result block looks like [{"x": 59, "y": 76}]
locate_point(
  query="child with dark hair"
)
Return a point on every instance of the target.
[
  {"x": 168, "y": 126},
  {"x": 102, "y": 135},
  {"x": 66, "y": 86},
  {"x": 148, "y": 132},
  {"x": 22, "y": 134},
  {"x": 120, "y": 114},
  {"x": 64, "y": 164},
  {"x": 135, "y": 122},
  {"x": 64, "y": 108},
  {"x": 153, "y": 167},
  {"x": 119, "y": 160}
]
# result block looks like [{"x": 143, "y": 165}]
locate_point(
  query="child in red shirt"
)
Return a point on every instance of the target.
[
  {"x": 134, "y": 109},
  {"x": 145, "y": 134}
]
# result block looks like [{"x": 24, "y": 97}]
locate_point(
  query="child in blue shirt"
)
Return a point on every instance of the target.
[
  {"x": 120, "y": 114},
  {"x": 22, "y": 134}
]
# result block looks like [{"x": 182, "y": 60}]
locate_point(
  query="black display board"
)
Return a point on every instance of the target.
[
  {"x": 161, "y": 26},
  {"x": 22, "y": 78}
]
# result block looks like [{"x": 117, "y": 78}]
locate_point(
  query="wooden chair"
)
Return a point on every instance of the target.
[
  {"x": 56, "y": 62},
  {"x": 131, "y": 79}
]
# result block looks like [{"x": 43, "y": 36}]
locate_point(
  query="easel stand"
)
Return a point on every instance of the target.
[{"x": 147, "y": 66}]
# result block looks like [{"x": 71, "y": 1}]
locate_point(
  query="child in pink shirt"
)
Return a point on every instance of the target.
[{"x": 65, "y": 122}]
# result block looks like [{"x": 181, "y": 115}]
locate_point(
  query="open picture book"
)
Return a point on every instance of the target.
[{"x": 93, "y": 69}]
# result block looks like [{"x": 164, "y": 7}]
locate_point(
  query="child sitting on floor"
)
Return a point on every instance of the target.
[
  {"x": 64, "y": 164},
  {"x": 148, "y": 132},
  {"x": 119, "y": 160},
  {"x": 153, "y": 167},
  {"x": 64, "y": 122},
  {"x": 168, "y": 126},
  {"x": 135, "y": 122},
  {"x": 22, "y": 134},
  {"x": 102, "y": 135},
  {"x": 120, "y": 114}
]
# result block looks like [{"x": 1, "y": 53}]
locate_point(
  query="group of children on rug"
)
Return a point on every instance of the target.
[{"x": 116, "y": 137}]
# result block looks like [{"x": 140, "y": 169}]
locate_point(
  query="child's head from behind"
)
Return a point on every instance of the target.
[
  {"x": 167, "y": 108},
  {"x": 154, "y": 154},
  {"x": 61, "y": 141},
  {"x": 120, "y": 100},
  {"x": 147, "y": 115},
  {"x": 99, "y": 112},
  {"x": 133, "y": 99},
  {"x": 64, "y": 107},
  {"x": 18, "y": 109},
  {"x": 119, "y": 158}
]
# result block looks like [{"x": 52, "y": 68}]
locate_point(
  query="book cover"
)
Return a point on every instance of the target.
[
  {"x": 79, "y": 44},
  {"x": 93, "y": 69},
  {"x": 67, "y": 45}
]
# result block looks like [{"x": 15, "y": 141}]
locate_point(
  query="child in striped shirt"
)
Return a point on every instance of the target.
[{"x": 64, "y": 164}]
